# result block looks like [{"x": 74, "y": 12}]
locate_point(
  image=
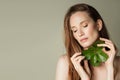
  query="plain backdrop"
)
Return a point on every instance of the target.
[{"x": 31, "y": 35}]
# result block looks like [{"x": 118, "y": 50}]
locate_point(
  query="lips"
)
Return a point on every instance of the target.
[{"x": 84, "y": 40}]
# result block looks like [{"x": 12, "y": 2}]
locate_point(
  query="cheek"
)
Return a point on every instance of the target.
[
  {"x": 91, "y": 31},
  {"x": 76, "y": 37}
]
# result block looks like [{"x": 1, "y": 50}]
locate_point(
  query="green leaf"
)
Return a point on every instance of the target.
[
  {"x": 94, "y": 54},
  {"x": 103, "y": 57},
  {"x": 87, "y": 54},
  {"x": 94, "y": 61}
]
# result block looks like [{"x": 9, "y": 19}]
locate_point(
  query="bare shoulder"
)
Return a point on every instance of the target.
[
  {"x": 62, "y": 68},
  {"x": 63, "y": 61}
]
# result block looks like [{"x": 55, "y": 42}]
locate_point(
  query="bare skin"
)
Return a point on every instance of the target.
[
  {"x": 99, "y": 73},
  {"x": 85, "y": 31}
]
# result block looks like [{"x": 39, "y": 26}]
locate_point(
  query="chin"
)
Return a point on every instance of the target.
[{"x": 87, "y": 45}]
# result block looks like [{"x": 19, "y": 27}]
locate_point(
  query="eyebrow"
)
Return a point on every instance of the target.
[{"x": 80, "y": 23}]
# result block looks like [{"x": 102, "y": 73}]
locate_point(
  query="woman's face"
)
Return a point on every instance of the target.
[{"x": 84, "y": 29}]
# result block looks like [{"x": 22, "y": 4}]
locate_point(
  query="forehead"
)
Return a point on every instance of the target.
[{"x": 79, "y": 17}]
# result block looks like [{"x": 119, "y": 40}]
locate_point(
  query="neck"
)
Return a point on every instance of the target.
[{"x": 101, "y": 66}]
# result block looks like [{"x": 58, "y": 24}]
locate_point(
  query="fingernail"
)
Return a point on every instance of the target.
[{"x": 98, "y": 44}]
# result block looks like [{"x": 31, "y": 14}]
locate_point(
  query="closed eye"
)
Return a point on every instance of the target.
[
  {"x": 85, "y": 25},
  {"x": 74, "y": 31}
]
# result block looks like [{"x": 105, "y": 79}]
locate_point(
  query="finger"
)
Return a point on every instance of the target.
[
  {"x": 76, "y": 62},
  {"x": 104, "y": 45},
  {"x": 109, "y": 43},
  {"x": 77, "y": 58},
  {"x": 80, "y": 59},
  {"x": 104, "y": 50},
  {"x": 86, "y": 66},
  {"x": 75, "y": 55},
  {"x": 106, "y": 40},
  {"x": 108, "y": 46}
]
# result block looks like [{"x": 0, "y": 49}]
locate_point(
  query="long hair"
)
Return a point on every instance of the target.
[{"x": 71, "y": 45}]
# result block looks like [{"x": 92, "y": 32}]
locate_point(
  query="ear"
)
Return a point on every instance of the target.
[{"x": 99, "y": 24}]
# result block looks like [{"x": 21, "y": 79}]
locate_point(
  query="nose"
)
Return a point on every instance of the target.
[{"x": 81, "y": 33}]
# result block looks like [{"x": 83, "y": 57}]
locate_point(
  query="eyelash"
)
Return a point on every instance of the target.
[
  {"x": 82, "y": 26},
  {"x": 74, "y": 31},
  {"x": 85, "y": 26}
]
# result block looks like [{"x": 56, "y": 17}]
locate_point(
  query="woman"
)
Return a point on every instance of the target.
[{"x": 83, "y": 25}]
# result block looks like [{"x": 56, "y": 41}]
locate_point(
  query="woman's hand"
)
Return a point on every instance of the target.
[
  {"x": 111, "y": 53},
  {"x": 83, "y": 71}
]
